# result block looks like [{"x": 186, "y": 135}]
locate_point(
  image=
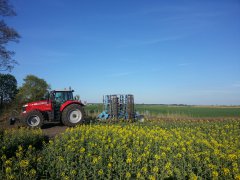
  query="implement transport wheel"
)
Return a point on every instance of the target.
[
  {"x": 73, "y": 115},
  {"x": 33, "y": 119}
]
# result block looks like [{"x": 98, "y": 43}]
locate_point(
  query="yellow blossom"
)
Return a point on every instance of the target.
[
  {"x": 24, "y": 163},
  {"x": 100, "y": 172},
  {"x": 128, "y": 175}
]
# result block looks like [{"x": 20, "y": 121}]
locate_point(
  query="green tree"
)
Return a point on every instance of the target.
[
  {"x": 33, "y": 89},
  {"x": 7, "y": 34},
  {"x": 8, "y": 88}
]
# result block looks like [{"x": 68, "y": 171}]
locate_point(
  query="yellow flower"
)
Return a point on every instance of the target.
[
  {"x": 168, "y": 166},
  {"x": 73, "y": 172},
  {"x": 95, "y": 160},
  {"x": 62, "y": 174},
  {"x": 163, "y": 155},
  {"x": 66, "y": 178},
  {"x": 20, "y": 148},
  {"x": 33, "y": 172},
  {"x": 193, "y": 176},
  {"x": 18, "y": 154},
  {"x": 129, "y": 160},
  {"x": 24, "y": 163},
  {"x": 8, "y": 170},
  {"x": 109, "y": 165},
  {"x": 30, "y": 147},
  {"x": 157, "y": 157},
  {"x": 232, "y": 157},
  {"x": 100, "y": 172},
  {"x": 11, "y": 177},
  {"x": 60, "y": 158},
  {"x": 155, "y": 169},
  {"x": 8, "y": 163},
  {"x": 138, "y": 175},
  {"x": 144, "y": 169},
  {"x": 226, "y": 171},
  {"x": 151, "y": 177},
  {"x": 3, "y": 157},
  {"x": 128, "y": 175},
  {"x": 237, "y": 177},
  {"x": 215, "y": 174},
  {"x": 179, "y": 155}
]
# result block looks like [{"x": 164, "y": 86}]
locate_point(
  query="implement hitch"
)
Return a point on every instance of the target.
[{"x": 14, "y": 117}]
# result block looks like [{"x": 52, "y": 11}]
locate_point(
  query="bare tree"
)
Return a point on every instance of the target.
[{"x": 7, "y": 34}]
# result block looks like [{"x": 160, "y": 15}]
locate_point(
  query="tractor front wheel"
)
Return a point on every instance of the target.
[
  {"x": 33, "y": 119},
  {"x": 73, "y": 115}
]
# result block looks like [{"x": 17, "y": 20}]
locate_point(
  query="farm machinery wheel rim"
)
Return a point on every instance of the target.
[
  {"x": 33, "y": 121},
  {"x": 75, "y": 116}
]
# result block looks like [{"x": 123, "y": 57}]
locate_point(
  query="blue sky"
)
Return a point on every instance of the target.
[{"x": 161, "y": 51}]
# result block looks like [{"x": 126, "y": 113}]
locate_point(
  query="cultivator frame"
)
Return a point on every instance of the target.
[{"x": 118, "y": 106}]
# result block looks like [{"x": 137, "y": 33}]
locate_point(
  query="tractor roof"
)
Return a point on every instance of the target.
[{"x": 62, "y": 90}]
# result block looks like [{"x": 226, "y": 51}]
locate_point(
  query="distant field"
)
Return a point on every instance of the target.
[
  {"x": 191, "y": 111},
  {"x": 183, "y": 111}
]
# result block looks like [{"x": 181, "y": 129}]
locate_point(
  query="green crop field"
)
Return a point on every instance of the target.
[
  {"x": 190, "y": 111},
  {"x": 177, "y": 111}
]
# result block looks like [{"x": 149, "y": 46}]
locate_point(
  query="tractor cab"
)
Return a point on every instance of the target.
[{"x": 61, "y": 96}]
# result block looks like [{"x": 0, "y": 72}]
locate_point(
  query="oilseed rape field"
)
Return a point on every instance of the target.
[{"x": 149, "y": 150}]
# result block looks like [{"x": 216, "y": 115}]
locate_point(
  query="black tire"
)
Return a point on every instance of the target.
[
  {"x": 33, "y": 119},
  {"x": 73, "y": 115}
]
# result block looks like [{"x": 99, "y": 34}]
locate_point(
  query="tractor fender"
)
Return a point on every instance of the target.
[{"x": 67, "y": 103}]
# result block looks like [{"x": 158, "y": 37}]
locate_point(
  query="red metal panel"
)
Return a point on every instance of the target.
[{"x": 40, "y": 105}]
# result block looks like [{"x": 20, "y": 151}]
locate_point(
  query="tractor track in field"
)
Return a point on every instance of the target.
[{"x": 50, "y": 130}]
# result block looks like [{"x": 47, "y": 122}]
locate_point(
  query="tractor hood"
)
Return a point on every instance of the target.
[{"x": 36, "y": 105}]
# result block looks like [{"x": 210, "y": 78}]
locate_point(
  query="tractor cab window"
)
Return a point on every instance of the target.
[
  {"x": 63, "y": 96},
  {"x": 59, "y": 97},
  {"x": 69, "y": 95}
]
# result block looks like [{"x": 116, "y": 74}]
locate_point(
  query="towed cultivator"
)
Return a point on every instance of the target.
[{"x": 119, "y": 106}]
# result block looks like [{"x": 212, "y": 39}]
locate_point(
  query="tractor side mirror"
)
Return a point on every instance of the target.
[{"x": 77, "y": 97}]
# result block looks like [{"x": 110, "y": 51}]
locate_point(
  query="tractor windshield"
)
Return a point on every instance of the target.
[{"x": 62, "y": 96}]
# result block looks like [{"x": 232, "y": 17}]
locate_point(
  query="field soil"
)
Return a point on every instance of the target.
[{"x": 50, "y": 129}]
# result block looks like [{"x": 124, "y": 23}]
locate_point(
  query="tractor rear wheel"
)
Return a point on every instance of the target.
[
  {"x": 33, "y": 119},
  {"x": 73, "y": 115}
]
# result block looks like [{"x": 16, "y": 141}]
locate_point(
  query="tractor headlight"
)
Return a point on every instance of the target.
[{"x": 24, "y": 108}]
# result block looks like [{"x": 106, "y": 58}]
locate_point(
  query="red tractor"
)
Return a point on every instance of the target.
[{"x": 59, "y": 106}]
